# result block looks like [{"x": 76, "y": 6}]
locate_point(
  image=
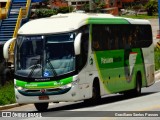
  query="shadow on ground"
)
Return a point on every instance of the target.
[{"x": 106, "y": 100}]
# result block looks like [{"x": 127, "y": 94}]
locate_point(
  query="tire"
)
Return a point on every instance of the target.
[
  {"x": 95, "y": 94},
  {"x": 137, "y": 90},
  {"x": 41, "y": 106}
]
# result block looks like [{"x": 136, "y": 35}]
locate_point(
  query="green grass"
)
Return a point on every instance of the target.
[
  {"x": 7, "y": 95},
  {"x": 141, "y": 16},
  {"x": 157, "y": 58}
]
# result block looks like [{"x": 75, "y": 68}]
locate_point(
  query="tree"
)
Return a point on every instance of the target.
[
  {"x": 97, "y": 5},
  {"x": 85, "y": 7},
  {"x": 152, "y": 7},
  {"x": 137, "y": 8},
  {"x": 65, "y": 9}
]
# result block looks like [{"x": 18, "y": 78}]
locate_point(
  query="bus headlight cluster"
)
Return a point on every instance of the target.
[
  {"x": 66, "y": 86},
  {"x": 20, "y": 88},
  {"x": 75, "y": 80}
]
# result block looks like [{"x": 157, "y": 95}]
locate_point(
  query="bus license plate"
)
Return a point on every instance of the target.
[{"x": 43, "y": 97}]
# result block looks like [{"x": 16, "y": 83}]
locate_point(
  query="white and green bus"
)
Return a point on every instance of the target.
[{"x": 80, "y": 56}]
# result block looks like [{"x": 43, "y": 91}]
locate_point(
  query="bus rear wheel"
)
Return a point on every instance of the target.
[
  {"x": 41, "y": 106},
  {"x": 137, "y": 90}
]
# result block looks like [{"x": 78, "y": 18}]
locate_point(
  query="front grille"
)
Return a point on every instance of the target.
[{"x": 39, "y": 90}]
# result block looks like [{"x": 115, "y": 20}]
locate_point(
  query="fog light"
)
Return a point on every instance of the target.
[{"x": 19, "y": 88}]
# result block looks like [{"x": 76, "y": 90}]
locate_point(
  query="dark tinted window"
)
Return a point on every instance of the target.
[{"x": 110, "y": 37}]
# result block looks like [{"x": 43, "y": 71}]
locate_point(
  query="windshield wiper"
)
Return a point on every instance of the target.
[
  {"x": 52, "y": 68},
  {"x": 33, "y": 67}
]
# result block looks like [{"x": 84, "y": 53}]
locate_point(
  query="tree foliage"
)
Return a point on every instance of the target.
[
  {"x": 85, "y": 7},
  {"x": 40, "y": 13},
  {"x": 43, "y": 12},
  {"x": 152, "y": 7},
  {"x": 96, "y": 7},
  {"x": 65, "y": 9}
]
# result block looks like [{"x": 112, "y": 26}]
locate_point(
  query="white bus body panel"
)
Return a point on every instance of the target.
[
  {"x": 148, "y": 55},
  {"x": 58, "y": 23}
]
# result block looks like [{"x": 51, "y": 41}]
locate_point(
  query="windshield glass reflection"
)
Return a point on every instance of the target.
[{"x": 45, "y": 56}]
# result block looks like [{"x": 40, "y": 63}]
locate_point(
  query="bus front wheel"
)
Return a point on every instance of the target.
[
  {"x": 41, "y": 106},
  {"x": 95, "y": 94}
]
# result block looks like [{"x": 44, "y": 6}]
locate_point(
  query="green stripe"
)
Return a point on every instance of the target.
[
  {"x": 39, "y": 85},
  {"x": 99, "y": 72},
  {"x": 107, "y": 21},
  {"x": 111, "y": 69}
]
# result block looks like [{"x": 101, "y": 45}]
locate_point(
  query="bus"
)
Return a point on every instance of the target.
[{"x": 82, "y": 57}]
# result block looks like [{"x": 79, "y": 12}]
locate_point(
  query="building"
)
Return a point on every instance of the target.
[
  {"x": 3, "y": 3},
  {"x": 58, "y": 3},
  {"x": 63, "y": 3}
]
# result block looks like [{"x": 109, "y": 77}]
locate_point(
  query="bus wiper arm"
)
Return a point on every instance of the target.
[
  {"x": 51, "y": 66},
  {"x": 34, "y": 67}
]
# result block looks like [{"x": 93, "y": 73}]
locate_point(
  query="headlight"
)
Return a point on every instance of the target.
[
  {"x": 66, "y": 86},
  {"x": 75, "y": 80},
  {"x": 20, "y": 88}
]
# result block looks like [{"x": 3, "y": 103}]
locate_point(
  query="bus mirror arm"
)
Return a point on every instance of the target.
[
  {"x": 6, "y": 48},
  {"x": 77, "y": 44}
]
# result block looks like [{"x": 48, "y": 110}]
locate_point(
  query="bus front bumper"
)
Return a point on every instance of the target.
[{"x": 71, "y": 95}]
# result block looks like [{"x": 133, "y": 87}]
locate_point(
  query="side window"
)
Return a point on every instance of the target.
[
  {"x": 145, "y": 35},
  {"x": 140, "y": 36},
  {"x": 95, "y": 37},
  {"x": 105, "y": 37},
  {"x": 134, "y": 36},
  {"x": 112, "y": 37},
  {"x": 100, "y": 37}
]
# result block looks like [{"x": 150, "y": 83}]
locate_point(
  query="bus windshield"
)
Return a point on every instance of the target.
[{"x": 45, "y": 56}]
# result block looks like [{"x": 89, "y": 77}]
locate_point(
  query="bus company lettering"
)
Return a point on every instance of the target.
[
  {"x": 31, "y": 85},
  {"x": 58, "y": 83},
  {"x": 110, "y": 60},
  {"x": 42, "y": 79},
  {"x": 106, "y": 60},
  {"x": 117, "y": 59}
]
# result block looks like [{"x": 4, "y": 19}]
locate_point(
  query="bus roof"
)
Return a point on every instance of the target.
[{"x": 68, "y": 22}]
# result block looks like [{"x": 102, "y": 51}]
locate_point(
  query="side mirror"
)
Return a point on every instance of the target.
[
  {"x": 6, "y": 48},
  {"x": 77, "y": 44}
]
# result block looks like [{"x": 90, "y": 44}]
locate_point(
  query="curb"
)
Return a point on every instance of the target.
[
  {"x": 9, "y": 106},
  {"x": 157, "y": 71}
]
